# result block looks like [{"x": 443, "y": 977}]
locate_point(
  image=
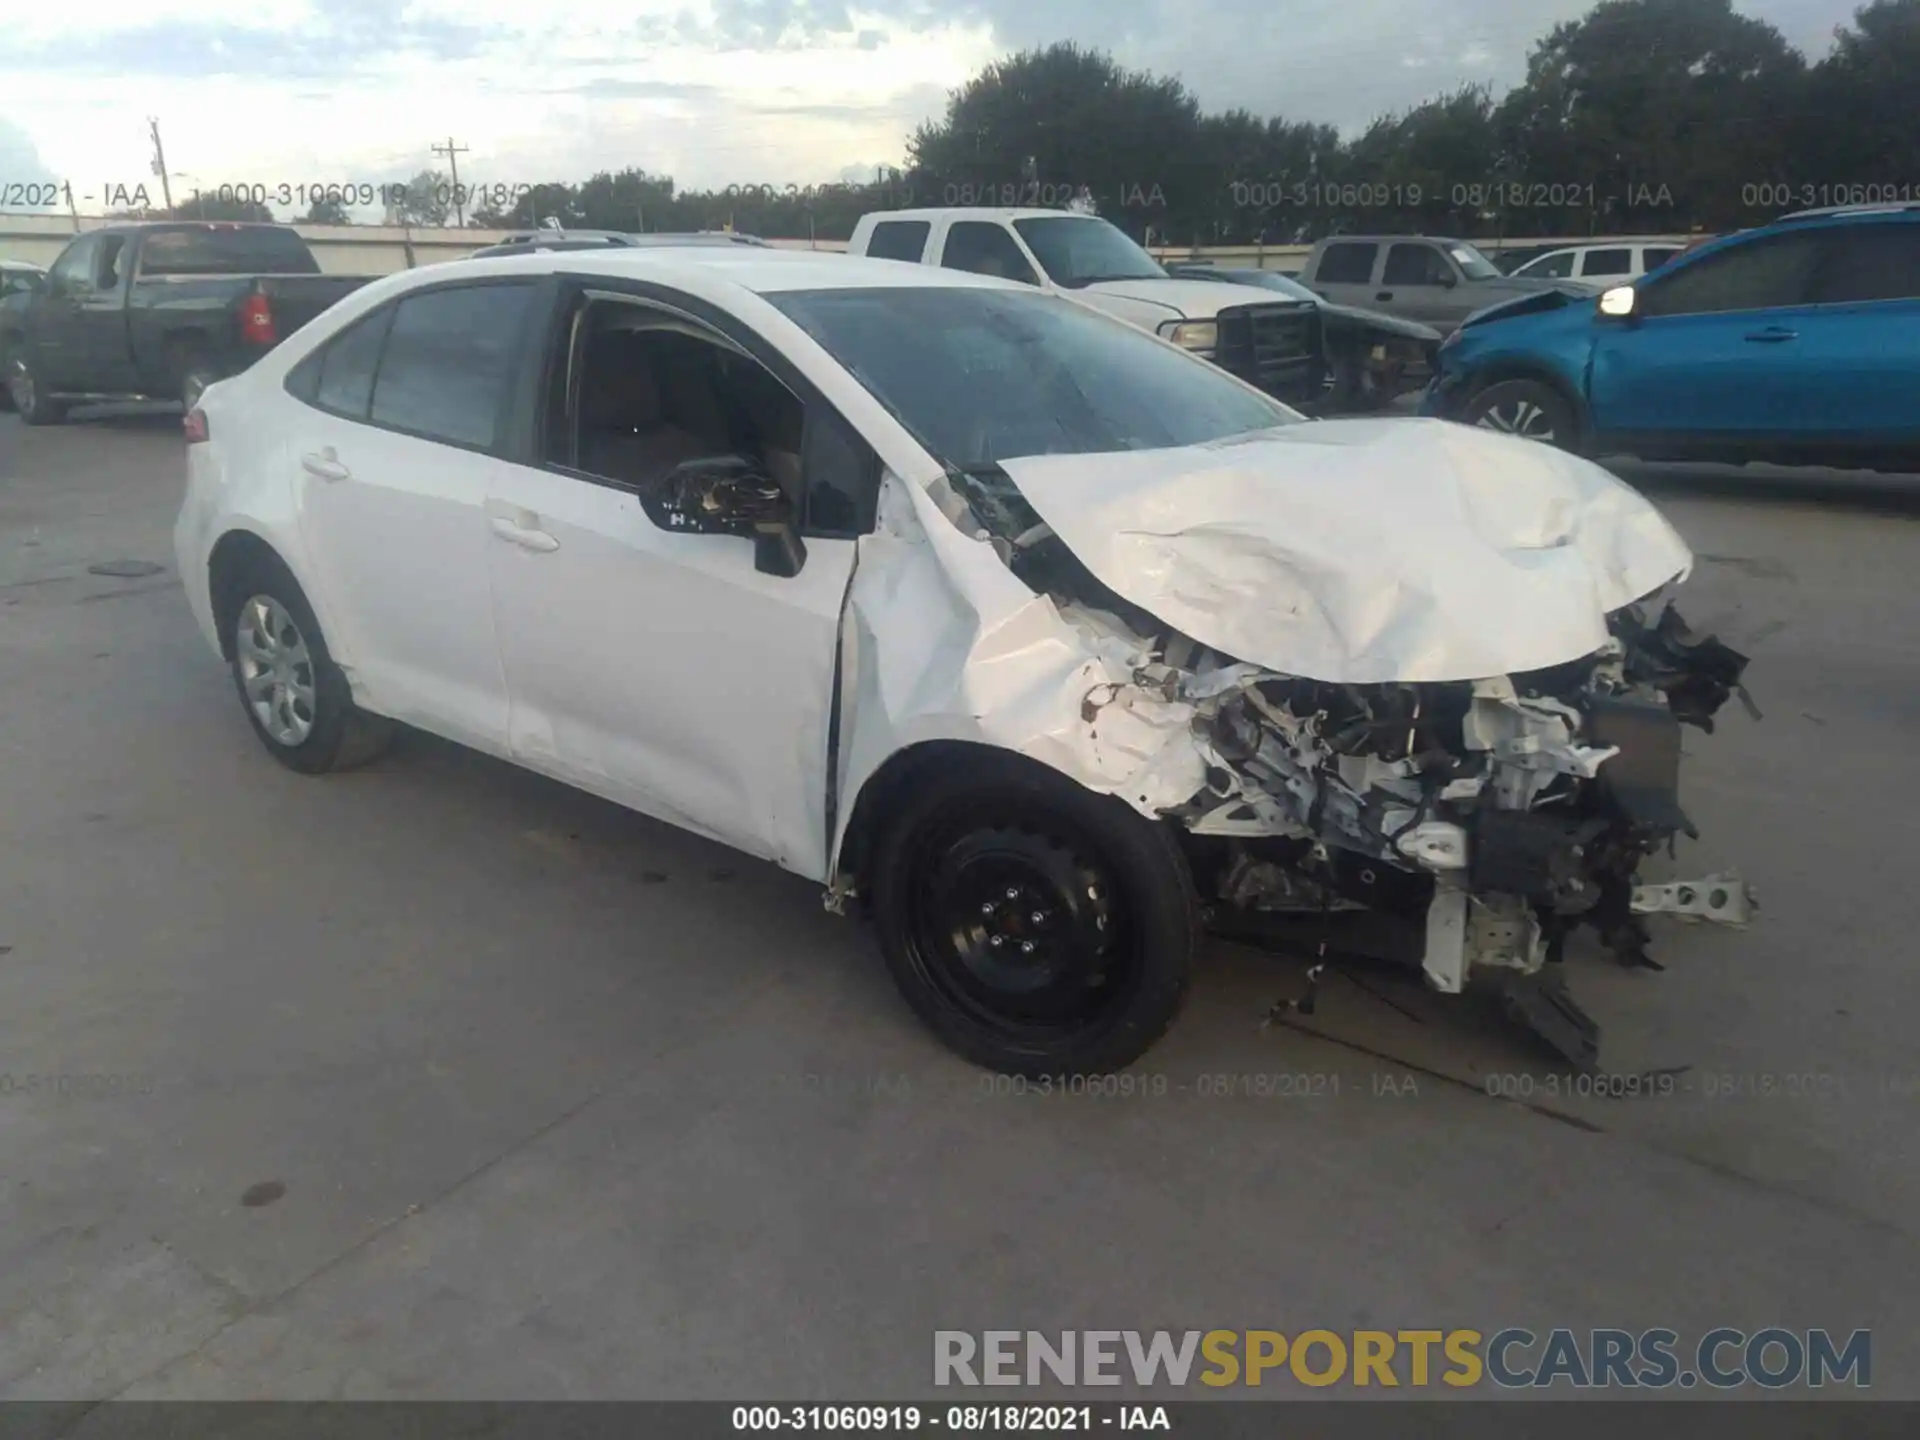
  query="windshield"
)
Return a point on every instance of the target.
[
  {"x": 1077, "y": 250},
  {"x": 1472, "y": 263},
  {"x": 985, "y": 375}
]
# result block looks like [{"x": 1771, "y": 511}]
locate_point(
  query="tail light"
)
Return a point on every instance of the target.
[
  {"x": 195, "y": 426},
  {"x": 256, "y": 321}
]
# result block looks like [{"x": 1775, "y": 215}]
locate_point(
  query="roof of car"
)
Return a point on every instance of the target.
[
  {"x": 1837, "y": 212},
  {"x": 760, "y": 270},
  {"x": 980, "y": 212},
  {"x": 22, "y": 265}
]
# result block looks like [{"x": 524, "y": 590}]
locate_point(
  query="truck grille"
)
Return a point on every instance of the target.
[{"x": 1276, "y": 347}]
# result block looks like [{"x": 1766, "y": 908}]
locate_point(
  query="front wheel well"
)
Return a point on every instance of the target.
[
  {"x": 236, "y": 555},
  {"x": 1498, "y": 372},
  {"x": 885, "y": 789}
]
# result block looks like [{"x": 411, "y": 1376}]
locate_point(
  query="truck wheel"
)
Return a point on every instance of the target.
[
  {"x": 294, "y": 696},
  {"x": 1340, "y": 383},
  {"x": 1531, "y": 409},
  {"x": 1037, "y": 928},
  {"x": 30, "y": 398},
  {"x": 193, "y": 383}
]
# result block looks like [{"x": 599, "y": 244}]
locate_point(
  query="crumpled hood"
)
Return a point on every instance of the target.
[{"x": 1364, "y": 551}]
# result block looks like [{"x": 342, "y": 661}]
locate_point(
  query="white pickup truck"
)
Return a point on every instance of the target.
[{"x": 1270, "y": 341}]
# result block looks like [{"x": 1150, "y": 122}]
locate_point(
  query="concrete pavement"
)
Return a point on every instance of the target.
[{"x": 441, "y": 1080}]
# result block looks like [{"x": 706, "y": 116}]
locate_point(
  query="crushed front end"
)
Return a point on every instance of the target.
[
  {"x": 1489, "y": 818},
  {"x": 1466, "y": 828}
]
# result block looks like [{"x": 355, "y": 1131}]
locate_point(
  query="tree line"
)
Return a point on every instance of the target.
[{"x": 1644, "y": 116}]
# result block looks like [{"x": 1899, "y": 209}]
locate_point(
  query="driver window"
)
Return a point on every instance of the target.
[
  {"x": 1415, "y": 265},
  {"x": 72, "y": 272},
  {"x": 655, "y": 391},
  {"x": 983, "y": 248},
  {"x": 1551, "y": 267}
]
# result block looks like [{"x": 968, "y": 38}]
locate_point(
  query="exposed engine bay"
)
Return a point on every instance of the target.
[{"x": 1466, "y": 827}]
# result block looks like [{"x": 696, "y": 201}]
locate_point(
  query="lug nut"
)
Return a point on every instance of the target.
[
  {"x": 996, "y": 941},
  {"x": 1039, "y": 917},
  {"x": 987, "y": 909},
  {"x": 1026, "y": 947},
  {"x": 1012, "y": 894}
]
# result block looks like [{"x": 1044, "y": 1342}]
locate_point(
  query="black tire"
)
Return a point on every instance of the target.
[
  {"x": 1340, "y": 385},
  {"x": 1531, "y": 409},
  {"x": 338, "y": 735},
  {"x": 1099, "y": 896},
  {"x": 29, "y": 396},
  {"x": 193, "y": 381}
]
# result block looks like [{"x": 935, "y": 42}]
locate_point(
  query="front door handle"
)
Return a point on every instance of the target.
[
  {"x": 525, "y": 537},
  {"x": 1384, "y": 295},
  {"x": 326, "y": 465},
  {"x": 1772, "y": 335}
]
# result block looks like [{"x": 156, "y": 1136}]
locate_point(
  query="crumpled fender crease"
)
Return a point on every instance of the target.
[
  {"x": 945, "y": 643},
  {"x": 1364, "y": 551}
]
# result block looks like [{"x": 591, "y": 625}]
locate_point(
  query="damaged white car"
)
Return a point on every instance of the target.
[{"x": 1038, "y": 639}]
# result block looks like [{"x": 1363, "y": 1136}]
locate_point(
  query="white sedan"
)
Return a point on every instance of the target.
[{"x": 1039, "y": 637}]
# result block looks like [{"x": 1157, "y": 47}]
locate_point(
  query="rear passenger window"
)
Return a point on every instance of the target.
[
  {"x": 1608, "y": 262},
  {"x": 1869, "y": 262},
  {"x": 344, "y": 381},
  {"x": 1346, "y": 264},
  {"x": 447, "y": 362},
  {"x": 898, "y": 240}
]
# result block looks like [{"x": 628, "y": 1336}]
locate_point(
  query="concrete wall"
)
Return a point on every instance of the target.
[{"x": 380, "y": 250}]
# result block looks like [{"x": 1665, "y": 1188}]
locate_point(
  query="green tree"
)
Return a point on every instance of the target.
[
  {"x": 1665, "y": 108},
  {"x": 428, "y": 201},
  {"x": 325, "y": 211},
  {"x": 1036, "y": 127},
  {"x": 1860, "y": 119}
]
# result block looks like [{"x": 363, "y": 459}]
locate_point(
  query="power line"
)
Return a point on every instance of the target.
[{"x": 453, "y": 152}]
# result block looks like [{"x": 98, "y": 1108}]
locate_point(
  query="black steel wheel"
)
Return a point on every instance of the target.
[{"x": 1038, "y": 928}]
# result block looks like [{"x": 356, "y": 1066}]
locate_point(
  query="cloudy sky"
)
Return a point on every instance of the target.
[{"x": 712, "y": 92}]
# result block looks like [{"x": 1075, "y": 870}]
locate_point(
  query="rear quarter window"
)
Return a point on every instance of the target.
[
  {"x": 898, "y": 240},
  {"x": 257, "y": 250}
]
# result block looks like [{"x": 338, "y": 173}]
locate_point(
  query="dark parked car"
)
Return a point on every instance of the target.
[
  {"x": 1371, "y": 358},
  {"x": 157, "y": 311},
  {"x": 533, "y": 240}
]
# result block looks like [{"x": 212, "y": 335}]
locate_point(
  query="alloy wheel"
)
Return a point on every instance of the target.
[
  {"x": 276, "y": 670},
  {"x": 1518, "y": 417}
]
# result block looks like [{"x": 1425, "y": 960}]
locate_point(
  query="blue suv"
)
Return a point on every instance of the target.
[{"x": 1794, "y": 343}]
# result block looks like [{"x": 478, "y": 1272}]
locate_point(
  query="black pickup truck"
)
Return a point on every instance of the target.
[{"x": 157, "y": 311}]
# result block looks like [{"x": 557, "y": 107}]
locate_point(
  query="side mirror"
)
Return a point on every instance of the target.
[
  {"x": 1449, "y": 280},
  {"x": 730, "y": 495},
  {"x": 1618, "y": 302}
]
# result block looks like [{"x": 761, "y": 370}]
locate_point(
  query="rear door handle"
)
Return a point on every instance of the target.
[
  {"x": 1772, "y": 335},
  {"x": 1384, "y": 295},
  {"x": 326, "y": 465},
  {"x": 525, "y": 536}
]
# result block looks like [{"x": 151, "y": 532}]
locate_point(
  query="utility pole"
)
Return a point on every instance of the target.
[
  {"x": 160, "y": 163},
  {"x": 453, "y": 152}
]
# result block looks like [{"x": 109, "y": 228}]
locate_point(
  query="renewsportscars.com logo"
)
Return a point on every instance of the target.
[{"x": 1514, "y": 1358}]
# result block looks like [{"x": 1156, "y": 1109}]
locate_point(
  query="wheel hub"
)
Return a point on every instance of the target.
[
  {"x": 276, "y": 670},
  {"x": 1028, "y": 921},
  {"x": 1518, "y": 417}
]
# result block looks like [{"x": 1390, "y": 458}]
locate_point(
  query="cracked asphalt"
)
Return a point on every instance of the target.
[{"x": 441, "y": 1080}]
